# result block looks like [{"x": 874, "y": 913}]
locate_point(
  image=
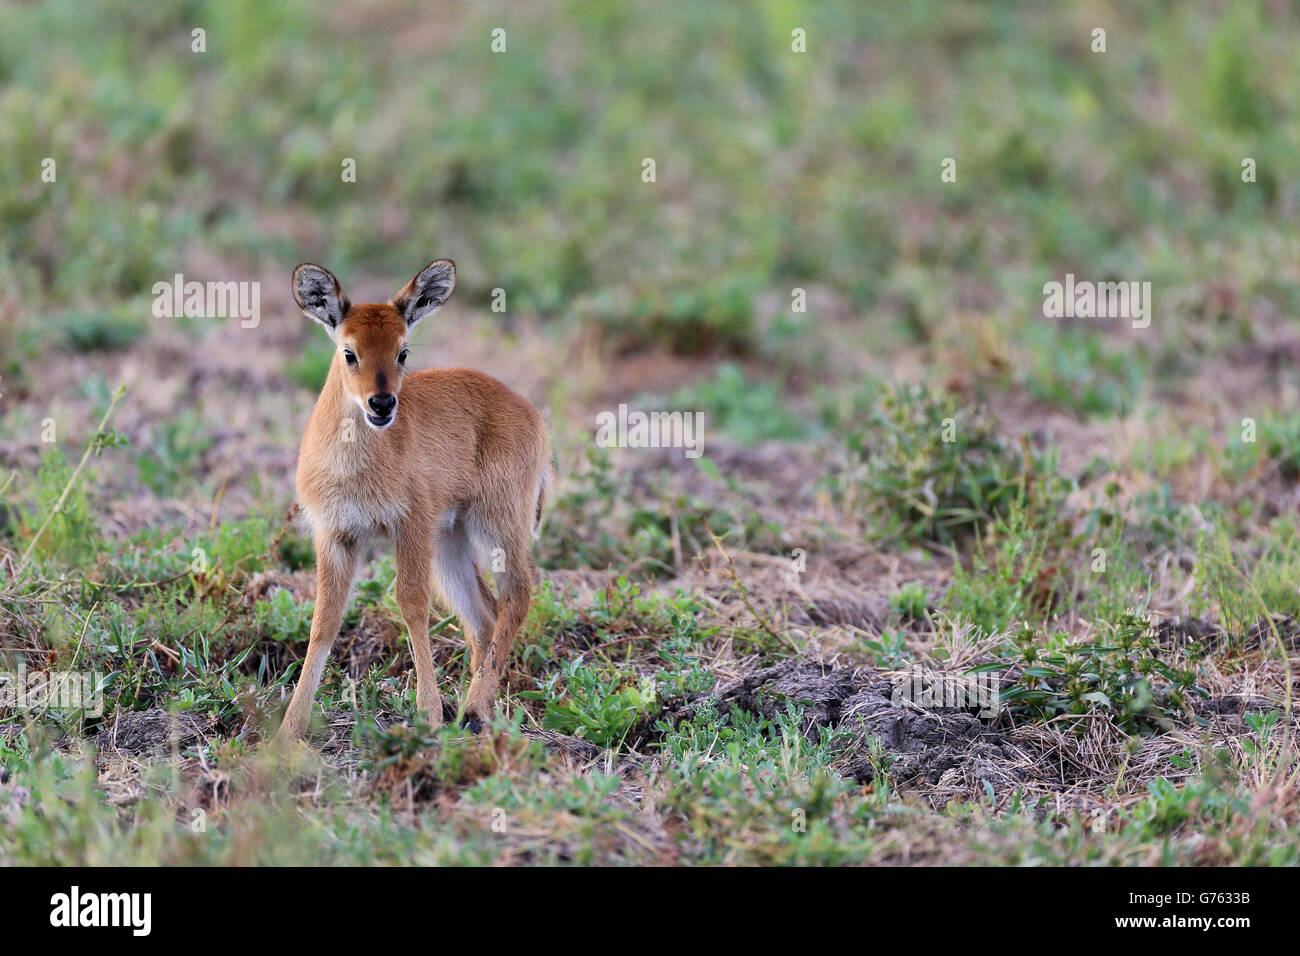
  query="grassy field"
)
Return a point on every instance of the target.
[{"x": 911, "y": 476}]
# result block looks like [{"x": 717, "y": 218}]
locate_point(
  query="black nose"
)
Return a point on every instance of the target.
[{"x": 383, "y": 403}]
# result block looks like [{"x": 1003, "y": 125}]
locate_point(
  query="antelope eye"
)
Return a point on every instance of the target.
[
  {"x": 350, "y": 357},
  {"x": 401, "y": 357}
]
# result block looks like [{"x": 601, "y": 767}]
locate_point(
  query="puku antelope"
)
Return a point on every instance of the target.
[{"x": 447, "y": 463}]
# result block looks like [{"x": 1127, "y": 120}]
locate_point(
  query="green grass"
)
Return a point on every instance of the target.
[{"x": 926, "y": 467}]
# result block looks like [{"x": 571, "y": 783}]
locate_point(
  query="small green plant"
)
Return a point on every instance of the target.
[
  {"x": 685, "y": 672},
  {"x": 598, "y": 704},
  {"x": 747, "y": 410},
  {"x": 237, "y": 545},
  {"x": 1275, "y": 572},
  {"x": 549, "y": 619},
  {"x": 73, "y": 535},
  {"x": 1130, "y": 677},
  {"x": 1010, "y": 578},
  {"x": 910, "y": 602},
  {"x": 102, "y": 330},
  {"x": 1237, "y": 95},
  {"x": 1077, "y": 370},
  {"x": 172, "y": 455},
  {"x": 694, "y": 317},
  {"x": 1275, "y": 449},
  {"x": 281, "y": 618},
  {"x": 890, "y": 650},
  {"x": 576, "y": 530},
  {"x": 1221, "y": 586},
  {"x": 15, "y": 752},
  {"x": 1261, "y": 751},
  {"x": 927, "y": 468}
]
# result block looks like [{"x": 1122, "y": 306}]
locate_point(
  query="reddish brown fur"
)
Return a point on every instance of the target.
[{"x": 461, "y": 468}]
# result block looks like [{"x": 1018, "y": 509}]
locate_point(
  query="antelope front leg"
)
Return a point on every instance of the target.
[
  {"x": 336, "y": 561},
  {"x": 414, "y": 569}
]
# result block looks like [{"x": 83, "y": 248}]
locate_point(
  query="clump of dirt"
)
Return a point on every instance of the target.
[
  {"x": 152, "y": 733},
  {"x": 942, "y": 751},
  {"x": 945, "y": 748},
  {"x": 1177, "y": 631},
  {"x": 820, "y": 688},
  {"x": 1263, "y": 634}
]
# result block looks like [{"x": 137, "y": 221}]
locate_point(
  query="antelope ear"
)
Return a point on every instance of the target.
[
  {"x": 320, "y": 296},
  {"x": 430, "y": 288}
]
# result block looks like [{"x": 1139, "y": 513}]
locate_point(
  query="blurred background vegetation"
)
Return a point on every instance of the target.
[{"x": 775, "y": 170}]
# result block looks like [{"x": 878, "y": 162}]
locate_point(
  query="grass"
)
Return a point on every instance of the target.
[
  {"x": 926, "y": 467},
  {"x": 908, "y": 468}
]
